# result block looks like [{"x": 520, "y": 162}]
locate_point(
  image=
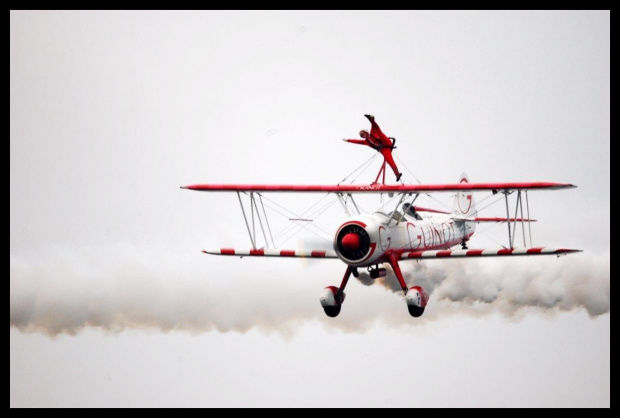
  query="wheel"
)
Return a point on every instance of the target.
[
  {"x": 331, "y": 301},
  {"x": 415, "y": 311},
  {"x": 333, "y": 311}
]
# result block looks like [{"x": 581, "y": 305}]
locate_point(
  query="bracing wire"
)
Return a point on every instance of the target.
[
  {"x": 407, "y": 168},
  {"x": 290, "y": 229},
  {"x": 363, "y": 165},
  {"x": 300, "y": 225},
  {"x": 431, "y": 197},
  {"x": 304, "y": 225}
]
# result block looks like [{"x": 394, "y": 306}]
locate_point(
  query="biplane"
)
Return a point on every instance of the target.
[{"x": 406, "y": 232}]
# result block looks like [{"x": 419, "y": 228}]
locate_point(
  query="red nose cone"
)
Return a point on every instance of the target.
[{"x": 351, "y": 241}]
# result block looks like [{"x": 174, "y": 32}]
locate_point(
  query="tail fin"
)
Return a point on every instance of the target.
[{"x": 464, "y": 205}]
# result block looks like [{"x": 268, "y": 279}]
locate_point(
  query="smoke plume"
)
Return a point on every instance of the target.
[
  {"x": 122, "y": 287},
  {"x": 508, "y": 286}
]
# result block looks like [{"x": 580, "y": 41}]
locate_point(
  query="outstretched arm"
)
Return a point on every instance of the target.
[
  {"x": 363, "y": 142},
  {"x": 356, "y": 141}
]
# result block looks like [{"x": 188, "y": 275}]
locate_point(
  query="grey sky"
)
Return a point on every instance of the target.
[{"x": 112, "y": 111}]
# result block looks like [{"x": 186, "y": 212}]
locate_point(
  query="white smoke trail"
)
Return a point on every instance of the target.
[
  {"x": 121, "y": 287},
  {"x": 508, "y": 285}
]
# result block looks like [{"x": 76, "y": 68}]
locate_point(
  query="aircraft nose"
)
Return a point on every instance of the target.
[{"x": 351, "y": 241}]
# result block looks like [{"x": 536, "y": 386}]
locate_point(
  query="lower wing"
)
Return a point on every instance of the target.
[
  {"x": 496, "y": 252},
  {"x": 406, "y": 255},
  {"x": 271, "y": 253}
]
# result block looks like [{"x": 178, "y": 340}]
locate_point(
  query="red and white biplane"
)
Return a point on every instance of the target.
[{"x": 407, "y": 232}]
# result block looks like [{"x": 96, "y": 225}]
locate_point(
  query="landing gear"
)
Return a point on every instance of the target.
[
  {"x": 333, "y": 297},
  {"x": 464, "y": 245},
  {"x": 416, "y": 297},
  {"x": 331, "y": 300}
]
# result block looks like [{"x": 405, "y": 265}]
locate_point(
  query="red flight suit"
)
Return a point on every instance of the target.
[{"x": 378, "y": 140}]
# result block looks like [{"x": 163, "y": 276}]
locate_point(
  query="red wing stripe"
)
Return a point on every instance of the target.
[
  {"x": 376, "y": 188},
  {"x": 266, "y": 252},
  {"x": 262, "y": 252},
  {"x": 496, "y": 252},
  {"x": 415, "y": 254}
]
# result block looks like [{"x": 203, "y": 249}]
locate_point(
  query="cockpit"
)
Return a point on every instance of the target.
[{"x": 409, "y": 210}]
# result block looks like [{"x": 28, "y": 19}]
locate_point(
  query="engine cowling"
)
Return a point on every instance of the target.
[
  {"x": 416, "y": 298},
  {"x": 331, "y": 300},
  {"x": 352, "y": 242}
]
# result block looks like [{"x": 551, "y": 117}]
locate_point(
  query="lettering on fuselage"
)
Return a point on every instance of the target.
[
  {"x": 423, "y": 234},
  {"x": 431, "y": 235},
  {"x": 415, "y": 236}
]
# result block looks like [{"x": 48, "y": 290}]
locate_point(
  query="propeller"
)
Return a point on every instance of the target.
[{"x": 353, "y": 242}]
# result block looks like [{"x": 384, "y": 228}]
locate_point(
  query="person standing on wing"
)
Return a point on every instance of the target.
[{"x": 379, "y": 141}]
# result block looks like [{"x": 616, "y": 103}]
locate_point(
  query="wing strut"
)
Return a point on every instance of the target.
[
  {"x": 343, "y": 199},
  {"x": 246, "y": 222},
  {"x": 266, "y": 220},
  {"x": 512, "y": 230},
  {"x": 529, "y": 225},
  {"x": 402, "y": 197},
  {"x": 514, "y": 224},
  {"x": 252, "y": 229},
  {"x": 343, "y": 203},
  {"x": 354, "y": 204}
]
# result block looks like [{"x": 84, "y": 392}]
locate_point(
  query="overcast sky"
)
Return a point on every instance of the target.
[{"x": 111, "y": 301}]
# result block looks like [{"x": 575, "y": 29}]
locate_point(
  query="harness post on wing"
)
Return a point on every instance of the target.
[{"x": 381, "y": 172}]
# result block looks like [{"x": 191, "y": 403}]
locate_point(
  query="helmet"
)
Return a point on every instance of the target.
[{"x": 363, "y": 133}]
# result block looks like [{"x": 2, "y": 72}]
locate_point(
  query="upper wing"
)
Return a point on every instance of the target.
[
  {"x": 377, "y": 188},
  {"x": 496, "y": 252}
]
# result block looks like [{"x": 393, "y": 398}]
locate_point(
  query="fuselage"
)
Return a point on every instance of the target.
[{"x": 366, "y": 240}]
